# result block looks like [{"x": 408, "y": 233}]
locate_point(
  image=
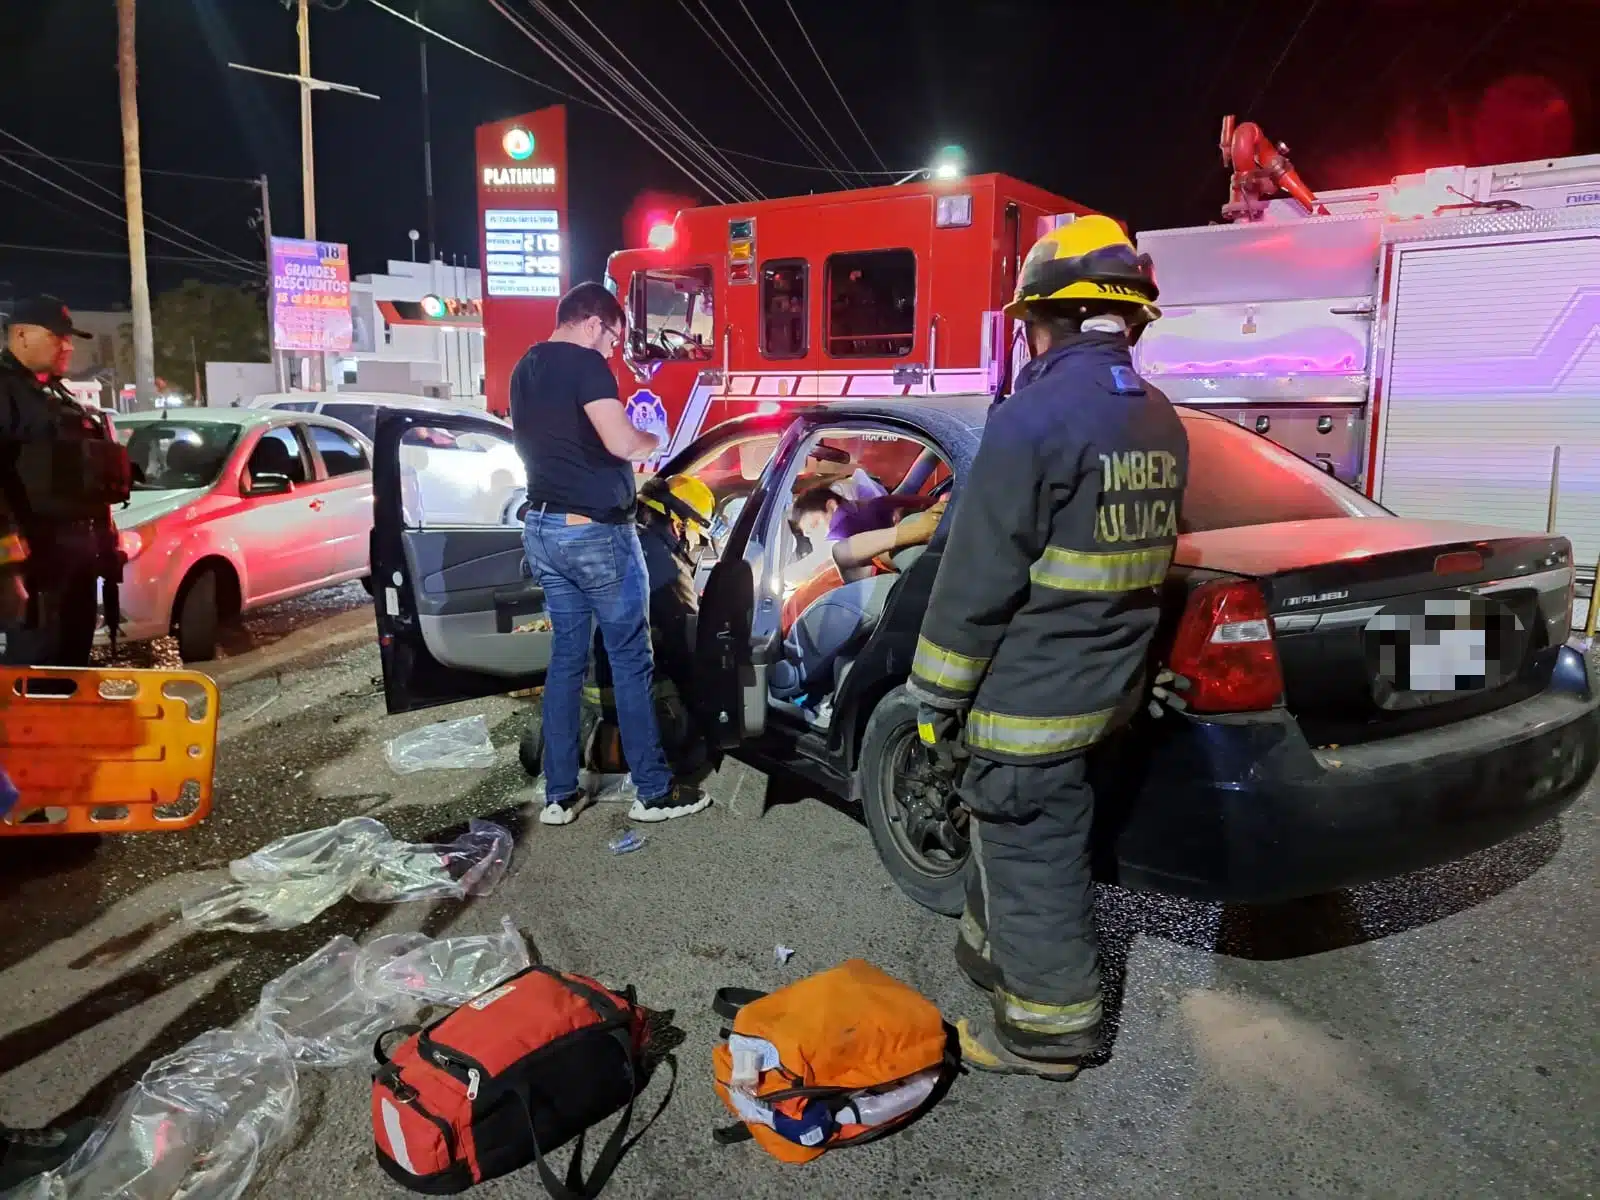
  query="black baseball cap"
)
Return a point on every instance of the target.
[{"x": 47, "y": 312}]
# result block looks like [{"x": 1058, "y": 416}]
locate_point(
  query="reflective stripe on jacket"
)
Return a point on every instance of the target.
[{"x": 1048, "y": 588}]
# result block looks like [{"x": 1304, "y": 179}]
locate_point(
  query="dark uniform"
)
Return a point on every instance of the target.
[
  {"x": 1038, "y": 629},
  {"x": 60, "y": 471}
]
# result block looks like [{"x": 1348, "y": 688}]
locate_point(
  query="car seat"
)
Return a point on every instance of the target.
[
  {"x": 827, "y": 635},
  {"x": 271, "y": 457}
]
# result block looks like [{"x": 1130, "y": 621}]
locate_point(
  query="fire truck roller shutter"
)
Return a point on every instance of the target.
[{"x": 1492, "y": 365}]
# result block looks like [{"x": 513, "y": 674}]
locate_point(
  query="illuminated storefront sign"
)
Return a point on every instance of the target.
[
  {"x": 522, "y": 251},
  {"x": 310, "y": 296},
  {"x": 520, "y": 176},
  {"x": 518, "y": 143},
  {"x": 513, "y": 177}
]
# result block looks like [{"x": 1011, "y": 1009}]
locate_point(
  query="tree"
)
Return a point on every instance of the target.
[{"x": 199, "y": 323}]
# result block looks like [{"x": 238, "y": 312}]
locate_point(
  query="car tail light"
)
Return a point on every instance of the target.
[
  {"x": 1224, "y": 648},
  {"x": 131, "y": 542}
]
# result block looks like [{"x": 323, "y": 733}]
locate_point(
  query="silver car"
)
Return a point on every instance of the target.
[{"x": 233, "y": 509}]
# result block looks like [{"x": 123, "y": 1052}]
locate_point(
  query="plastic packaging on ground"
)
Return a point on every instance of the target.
[
  {"x": 294, "y": 879},
  {"x": 199, "y": 1122},
  {"x": 444, "y": 745},
  {"x": 605, "y": 789}
]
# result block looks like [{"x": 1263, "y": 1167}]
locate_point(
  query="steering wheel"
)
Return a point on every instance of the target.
[{"x": 675, "y": 340}]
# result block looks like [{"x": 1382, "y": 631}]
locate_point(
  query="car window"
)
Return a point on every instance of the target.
[
  {"x": 177, "y": 454},
  {"x": 363, "y": 416},
  {"x": 731, "y": 470},
  {"x": 857, "y": 470},
  {"x": 279, "y": 453},
  {"x": 295, "y": 405},
  {"x": 340, "y": 454},
  {"x": 1238, "y": 478},
  {"x": 451, "y": 478}
]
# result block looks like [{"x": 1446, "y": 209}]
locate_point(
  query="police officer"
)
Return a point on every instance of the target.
[
  {"x": 61, "y": 470},
  {"x": 1034, "y": 644}
]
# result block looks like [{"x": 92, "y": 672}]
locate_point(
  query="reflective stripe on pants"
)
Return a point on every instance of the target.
[{"x": 1035, "y": 891}]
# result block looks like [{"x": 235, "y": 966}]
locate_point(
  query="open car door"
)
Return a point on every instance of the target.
[{"x": 458, "y": 617}]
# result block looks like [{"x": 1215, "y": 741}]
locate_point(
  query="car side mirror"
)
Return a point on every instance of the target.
[{"x": 267, "y": 484}]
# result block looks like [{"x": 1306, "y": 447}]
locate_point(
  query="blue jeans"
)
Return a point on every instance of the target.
[{"x": 595, "y": 572}]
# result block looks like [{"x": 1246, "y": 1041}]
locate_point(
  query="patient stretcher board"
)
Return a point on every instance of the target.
[{"x": 107, "y": 751}]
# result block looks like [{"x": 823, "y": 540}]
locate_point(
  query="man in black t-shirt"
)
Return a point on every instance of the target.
[{"x": 576, "y": 442}]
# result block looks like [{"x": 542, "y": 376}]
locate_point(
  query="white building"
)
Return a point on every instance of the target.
[{"x": 403, "y": 344}]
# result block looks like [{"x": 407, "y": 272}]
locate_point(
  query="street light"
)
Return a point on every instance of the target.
[{"x": 950, "y": 163}]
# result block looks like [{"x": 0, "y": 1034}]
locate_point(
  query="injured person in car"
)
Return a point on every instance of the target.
[{"x": 836, "y": 611}]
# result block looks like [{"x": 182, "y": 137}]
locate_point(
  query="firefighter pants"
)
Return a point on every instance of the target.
[{"x": 1030, "y": 903}]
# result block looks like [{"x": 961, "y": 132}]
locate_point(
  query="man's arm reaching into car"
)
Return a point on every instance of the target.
[
  {"x": 617, "y": 433},
  {"x": 853, "y": 555}
]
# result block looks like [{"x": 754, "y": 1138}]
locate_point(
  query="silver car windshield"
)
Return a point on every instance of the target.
[{"x": 167, "y": 455}]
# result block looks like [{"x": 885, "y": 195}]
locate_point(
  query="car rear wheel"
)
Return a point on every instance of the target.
[
  {"x": 198, "y": 618},
  {"x": 917, "y": 823}
]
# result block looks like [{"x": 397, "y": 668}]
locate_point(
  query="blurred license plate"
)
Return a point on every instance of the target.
[{"x": 1428, "y": 650}]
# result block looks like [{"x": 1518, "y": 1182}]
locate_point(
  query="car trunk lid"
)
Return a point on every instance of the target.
[{"x": 1348, "y": 597}]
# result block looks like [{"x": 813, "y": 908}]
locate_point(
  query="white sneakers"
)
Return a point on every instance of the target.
[
  {"x": 564, "y": 812},
  {"x": 679, "y": 802}
]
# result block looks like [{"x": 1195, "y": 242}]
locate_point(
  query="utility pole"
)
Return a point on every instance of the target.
[
  {"x": 308, "y": 186},
  {"x": 144, "y": 358},
  {"x": 272, "y": 291},
  {"x": 308, "y": 169},
  {"x": 427, "y": 141}
]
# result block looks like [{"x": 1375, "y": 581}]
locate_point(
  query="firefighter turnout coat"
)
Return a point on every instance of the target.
[{"x": 1048, "y": 589}]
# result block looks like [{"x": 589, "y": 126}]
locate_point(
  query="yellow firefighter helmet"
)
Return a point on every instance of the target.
[
  {"x": 683, "y": 496},
  {"x": 1087, "y": 259}
]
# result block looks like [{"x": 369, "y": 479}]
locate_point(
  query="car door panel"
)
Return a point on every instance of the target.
[
  {"x": 731, "y": 662},
  {"x": 276, "y": 534},
  {"x": 457, "y": 617},
  {"x": 465, "y": 578},
  {"x": 346, "y": 513}
]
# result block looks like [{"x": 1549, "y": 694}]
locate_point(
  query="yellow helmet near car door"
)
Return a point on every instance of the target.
[
  {"x": 683, "y": 496},
  {"x": 1089, "y": 258}
]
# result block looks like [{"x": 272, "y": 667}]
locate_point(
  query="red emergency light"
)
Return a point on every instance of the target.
[{"x": 661, "y": 236}]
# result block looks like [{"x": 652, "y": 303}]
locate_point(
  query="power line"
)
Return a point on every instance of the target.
[
  {"x": 550, "y": 52},
  {"x": 730, "y": 171},
  {"x": 106, "y": 166},
  {"x": 193, "y": 237},
  {"x": 782, "y": 66},
  {"x": 589, "y": 104},
  {"x": 829, "y": 77},
  {"x": 752, "y": 77},
  {"x": 240, "y": 264},
  {"x": 1282, "y": 54},
  {"x": 122, "y": 254},
  {"x": 720, "y": 168}
]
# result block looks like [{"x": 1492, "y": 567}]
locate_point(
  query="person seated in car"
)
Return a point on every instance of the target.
[{"x": 836, "y": 621}]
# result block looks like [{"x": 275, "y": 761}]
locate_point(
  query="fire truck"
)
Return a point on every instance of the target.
[{"x": 1434, "y": 341}]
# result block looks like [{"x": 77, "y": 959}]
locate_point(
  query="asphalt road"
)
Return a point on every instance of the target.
[{"x": 1430, "y": 1036}]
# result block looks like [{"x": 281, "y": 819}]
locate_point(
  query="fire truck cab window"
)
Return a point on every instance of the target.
[
  {"x": 671, "y": 314},
  {"x": 784, "y": 324},
  {"x": 872, "y": 299}
]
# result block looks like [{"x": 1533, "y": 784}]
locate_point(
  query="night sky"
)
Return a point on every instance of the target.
[{"x": 1117, "y": 106}]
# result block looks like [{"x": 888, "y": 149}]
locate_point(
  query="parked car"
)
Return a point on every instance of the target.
[
  {"x": 1300, "y": 766},
  {"x": 233, "y": 509},
  {"x": 453, "y": 477}
]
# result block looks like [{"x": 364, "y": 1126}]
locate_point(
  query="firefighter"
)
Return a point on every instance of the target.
[
  {"x": 1034, "y": 644},
  {"x": 61, "y": 470}
]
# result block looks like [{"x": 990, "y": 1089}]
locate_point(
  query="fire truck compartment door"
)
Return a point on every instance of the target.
[
  {"x": 1493, "y": 364},
  {"x": 457, "y": 616}
]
